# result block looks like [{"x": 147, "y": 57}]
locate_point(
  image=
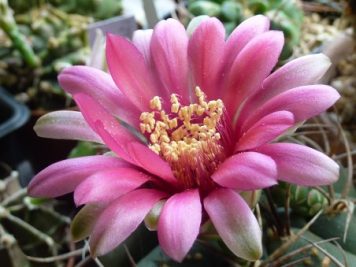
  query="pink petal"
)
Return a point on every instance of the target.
[
  {"x": 120, "y": 140},
  {"x": 100, "y": 86},
  {"x": 121, "y": 218},
  {"x": 246, "y": 171},
  {"x": 128, "y": 68},
  {"x": 179, "y": 223},
  {"x": 142, "y": 40},
  {"x": 252, "y": 65},
  {"x": 65, "y": 125},
  {"x": 151, "y": 162},
  {"x": 63, "y": 177},
  {"x": 304, "y": 102},
  {"x": 242, "y": 35},
  {"x": 235, "y": 223},
  {"x": 169, "y": 53},
  {"x": 265, "y": 130},
  {"x": 302, "y": 71},
  {"x": 302, "y": 165},
  {"x": 107, "y": 185},
  {"x": 105, "y": 125},
  {"x": 205, "y": 52}
]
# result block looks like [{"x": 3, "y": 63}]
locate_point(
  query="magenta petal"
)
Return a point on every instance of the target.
[
  {"x": 151, "y": 162},
  {"x": 205, "y": 52},
  {"x": 107, "y": 185},
  {"x": 235, "y": 223},
  {"x": 179, "y": 223},
  {"x": 304, "y": 102},
  {"x": 265, "y": 130},
  {"x": 63, "y": 177},
  {"x": 121, "y": 218},
  {"x": 169, "y": 53},
  {"x": 302, "y": 71},
  {"x": 129, "y": 70},
  {"x": 247, "y": 171},
  {"x": 105, "y": 125},
  {"x": 65, "y": 125},
  {"x": 302, "y": 165},
  {"x": 100, "y": 86},
  {"x": 252, "y": 65},
  {"x": 242, "y": 35}
]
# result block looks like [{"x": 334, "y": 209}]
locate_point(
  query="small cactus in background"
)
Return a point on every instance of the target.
[
  {"x": 285, "y": 15},
  {"x": 38, "y": 40},
  {"x": 303, "y": 201}
]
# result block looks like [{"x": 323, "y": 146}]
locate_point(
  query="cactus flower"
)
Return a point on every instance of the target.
[{"x": 191, "y": 120}]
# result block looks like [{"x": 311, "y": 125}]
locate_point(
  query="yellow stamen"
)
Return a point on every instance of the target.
[{"x": 191, "y": 133}]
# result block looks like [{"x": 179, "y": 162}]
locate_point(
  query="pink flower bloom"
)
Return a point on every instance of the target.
[{"x": 203, "y": 114}]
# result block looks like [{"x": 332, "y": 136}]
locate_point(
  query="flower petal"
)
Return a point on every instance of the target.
[
  {"x": 100, "y": 86},
  {"x": 205, "y": 52},
  {"x": 107, "y": 185},
  {"x": 252, "y": 65},
  {"x": 265, "y": 130},
  {"x": 235, "y": 223},
  {"x": 169, "y": 53},
  {"x": 151, "y": 162},
  {"x": 65, "y": 125},
  {"x": 105, "y": 125},
  {"x": 302, "y": 165},
  {"x": 304, "y": 102},
  {"x": 63, "y": 177},
  {"x": 246, "y": 171},
  {"x": 129, "y": 70},
  {"x": 142, "y": 40},
  {"x": 179, "y": 223},
  {"x": 120, "y": 140},
  {"x": 302, "y": 71},
  {"x": 121, "y": 218},
  {"x": 84, "y": 221},
  {"x": 242, "y": 35}
]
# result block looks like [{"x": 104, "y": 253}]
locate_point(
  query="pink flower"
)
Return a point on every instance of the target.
[{"x": 203, "y": 113}]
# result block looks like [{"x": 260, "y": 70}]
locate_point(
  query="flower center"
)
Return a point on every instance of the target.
[{"x": 187, "y": 137}]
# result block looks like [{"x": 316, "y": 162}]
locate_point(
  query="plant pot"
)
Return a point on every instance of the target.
[{"x": 13, "y": 116}]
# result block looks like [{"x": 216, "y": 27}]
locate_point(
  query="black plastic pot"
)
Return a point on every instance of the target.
[
  {"x": 13, "y": 116},
  {"x": 20, "y": 148}
]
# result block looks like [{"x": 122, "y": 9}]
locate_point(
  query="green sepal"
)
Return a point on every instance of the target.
[{"x": 84, "y": 221}]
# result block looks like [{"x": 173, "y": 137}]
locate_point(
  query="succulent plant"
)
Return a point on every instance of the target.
[{"x": 39, "y": 39}]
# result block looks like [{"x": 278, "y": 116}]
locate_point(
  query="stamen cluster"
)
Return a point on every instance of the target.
[{"x": 187, "y": 136}]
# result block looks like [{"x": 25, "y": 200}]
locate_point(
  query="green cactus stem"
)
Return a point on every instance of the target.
[{"x": 9, "y": 26}]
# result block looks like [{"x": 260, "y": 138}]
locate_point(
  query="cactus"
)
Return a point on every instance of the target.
[
  {"x": 9, "y": 26},
  {"x": 50, "y": 39},
  {"x": 304, "y": 201},
  {"x": 334, "y": 225}
]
